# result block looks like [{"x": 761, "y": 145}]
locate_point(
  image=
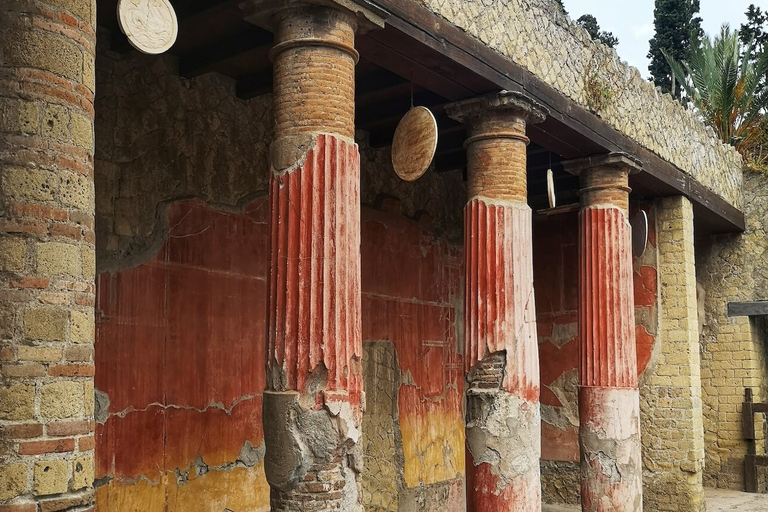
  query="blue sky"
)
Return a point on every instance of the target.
[{"x": 632, "y": 21}]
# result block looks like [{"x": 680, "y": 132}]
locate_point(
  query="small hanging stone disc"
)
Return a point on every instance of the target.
[
  {"x": 639, "y": 233},
  {"x": 414, "y": 144},
  {"x": 551, "y": 189},
  {"x": 150, "y": 25}
]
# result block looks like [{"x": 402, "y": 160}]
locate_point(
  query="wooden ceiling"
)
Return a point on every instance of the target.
[{"x": 416, "y": 60}]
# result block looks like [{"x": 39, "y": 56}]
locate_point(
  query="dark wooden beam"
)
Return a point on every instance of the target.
[
  {"x": 421, "y": 75},
  {"x": 203, "y": 60},
  {"x": 754, "y": 308},
  {"x": 422, "y": 26},
  {"x": 394, "y": 108}
]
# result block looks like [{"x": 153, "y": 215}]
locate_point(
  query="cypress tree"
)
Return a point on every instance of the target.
[
  {"x": 678, "y": 32},
  {"x": 590, "y": 24}
]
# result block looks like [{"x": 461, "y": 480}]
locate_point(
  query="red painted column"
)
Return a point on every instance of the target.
[
  {"x": 609, "y": 400},
  {"x": 312, "y": 406},
  {"x": 501, "y": 352}
]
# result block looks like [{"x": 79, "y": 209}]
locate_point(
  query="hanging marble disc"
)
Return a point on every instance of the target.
[
  {"x": 551, "y": 188},
  {"x": 414, "y": 144},
  {"x": 150, "y": 25},
  {"x": 639, "y": 233}
]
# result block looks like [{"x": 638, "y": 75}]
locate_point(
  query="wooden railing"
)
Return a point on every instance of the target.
[{"x": 752, "y": 460}]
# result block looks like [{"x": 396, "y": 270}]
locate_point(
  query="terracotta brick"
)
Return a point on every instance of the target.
[
  {"x": 39, "y": 283},
  {"x": 72, "y": 370},
  {"x": 24, "y": 431},
  {"x": 66, "y": 230},
  {"x": 66, "y": 503},
  {"x": 86, "y": 443},
  {"x": 70, "y": 428},
  {"x": 39, "y": 447},
  {"x": 39, "y": 212},
  {"x": 68, "y": 19},
  {"x": 85, "y": 300}
]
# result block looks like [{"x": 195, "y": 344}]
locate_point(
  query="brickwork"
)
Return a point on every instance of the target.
[
  {"x": 47, "y": 254},
  {"x": 733, "y": 349},
  {"x": 672, "y": 429}
]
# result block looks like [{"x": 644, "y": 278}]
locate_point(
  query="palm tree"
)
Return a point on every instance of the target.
[{"x": 721, "y": 82}]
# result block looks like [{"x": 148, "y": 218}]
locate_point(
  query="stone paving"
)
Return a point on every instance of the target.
[{"x": 718, "y": 500}]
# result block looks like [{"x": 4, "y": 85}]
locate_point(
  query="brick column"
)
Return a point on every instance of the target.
[
  {"x": 609, "y": 408},
  {"x": 673, "y": 451},
  {"x": 503, "y": 422},
  {"x": 313, "y": 402},
  {"x": 47, "y": 53}
]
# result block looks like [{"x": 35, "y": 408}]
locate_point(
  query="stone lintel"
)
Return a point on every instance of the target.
[
  {"x": 514, "y": 102},
  {"x": 262, "y": 12},
  {"x": 617, "y": 161}
]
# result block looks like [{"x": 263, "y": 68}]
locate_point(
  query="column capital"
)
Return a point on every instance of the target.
[
  {"x": 263, "y": 12},
  {"x": 515, "y": 104},
  {"x": 610, "y": 161},
  {"x": 605, "y": 179}
]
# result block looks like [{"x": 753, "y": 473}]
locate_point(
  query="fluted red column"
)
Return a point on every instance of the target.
[
  {"x": 312, "y": 404},
  {"x": 501, "y": 352},
  {"x": 609, "y": 401}
]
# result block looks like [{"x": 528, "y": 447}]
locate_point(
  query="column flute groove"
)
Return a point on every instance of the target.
[
  {"x": 609, "y": 401},
  {"x": 501, "y": 351}
]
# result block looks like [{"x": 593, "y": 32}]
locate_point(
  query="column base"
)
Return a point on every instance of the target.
[
  {"x": 313, "y": 454},
  {"x": 609, "y": 436},
  {"x": 503, "y": 452}
]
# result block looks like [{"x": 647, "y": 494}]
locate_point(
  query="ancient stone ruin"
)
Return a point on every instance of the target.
[{"x": 217, "y": 295}]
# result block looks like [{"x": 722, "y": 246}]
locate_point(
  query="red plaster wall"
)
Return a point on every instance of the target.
[
  {"x": 179, "y": 346},
  {"x": 555, "y": 245},
  {"x": 180, "y": 349},
  {"x": 411, "y": 289}
]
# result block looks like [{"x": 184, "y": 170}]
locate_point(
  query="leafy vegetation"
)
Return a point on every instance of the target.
[{"x": 722, "y": 79}]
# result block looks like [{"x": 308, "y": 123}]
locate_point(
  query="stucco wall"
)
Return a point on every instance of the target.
[
  {"x": 539, "y": 37},
  {"x": 182, "y": 258}
]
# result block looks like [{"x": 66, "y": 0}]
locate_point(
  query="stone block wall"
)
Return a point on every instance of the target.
[
  {"x": 733, "y": 350},
  {"x": 538, "y": 36},
  {"x": 46, "y": 255},
  {"x": 672, "y": 433}
]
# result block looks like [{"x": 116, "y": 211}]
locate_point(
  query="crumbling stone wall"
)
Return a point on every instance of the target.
[
  {"x": 175, "y": 215},
  {"x": 539, "y": 37},
  {"x": 733, "y": 351}
]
